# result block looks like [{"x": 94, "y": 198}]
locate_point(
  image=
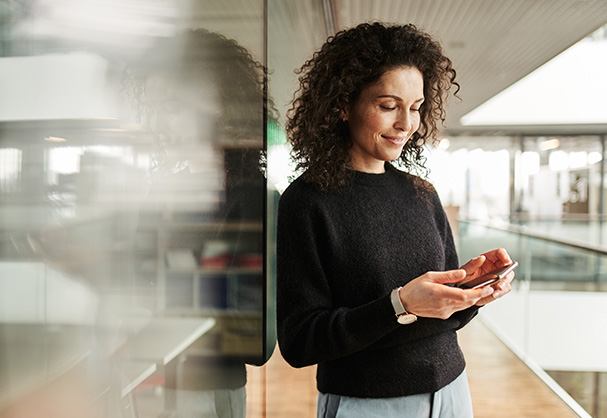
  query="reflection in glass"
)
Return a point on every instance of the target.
[
  {"x": 201, "y": 103},
  {"x": 132, "y": 211}
]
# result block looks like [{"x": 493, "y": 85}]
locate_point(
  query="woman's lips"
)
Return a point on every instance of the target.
[{"x": 396, "y": 140}]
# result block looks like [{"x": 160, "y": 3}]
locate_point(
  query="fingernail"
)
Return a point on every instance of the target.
[
  {"x": 486, "y": 293},
  {"x": 497, "y": 294}
]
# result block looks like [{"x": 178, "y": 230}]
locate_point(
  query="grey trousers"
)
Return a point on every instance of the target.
[{"x": 452, "y": 401}]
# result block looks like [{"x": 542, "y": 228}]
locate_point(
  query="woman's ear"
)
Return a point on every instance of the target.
[{"x": 344, "y": 112}]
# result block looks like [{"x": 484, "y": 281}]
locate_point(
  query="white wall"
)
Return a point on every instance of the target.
[{"x": 56, "y": 86}]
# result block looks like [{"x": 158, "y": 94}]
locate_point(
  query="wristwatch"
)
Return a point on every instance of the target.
[{"x": 402, "y": 316}]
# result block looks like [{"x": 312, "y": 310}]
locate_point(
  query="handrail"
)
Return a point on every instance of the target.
[
  {"x": 522, "y": 230},
  {"x": 536, "y": 369}
]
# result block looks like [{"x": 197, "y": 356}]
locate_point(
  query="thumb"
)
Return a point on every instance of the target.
[{"x": 449, "y": 276}]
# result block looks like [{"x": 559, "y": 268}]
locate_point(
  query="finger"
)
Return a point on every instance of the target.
[
  {"x": 503, "y": 288},
  {"x": 498, "y": 256},
  {"x": 505, "y": 282},
  {"x": 504, "y": 256},
  {"x": 490, "y": 297},
  {"x": 509, "y": 277},
  {"x": 472, "y": 296},
  {"x": 474, "y": 264},
  {"x": 449, "y": 276},
  {"x": 484, "y": 292}
]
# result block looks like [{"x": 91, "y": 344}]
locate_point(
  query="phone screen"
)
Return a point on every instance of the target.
[{"x": 488, "y": 278}]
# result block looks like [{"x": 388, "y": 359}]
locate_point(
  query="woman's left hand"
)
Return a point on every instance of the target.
[{"x": 486, "y": 263}]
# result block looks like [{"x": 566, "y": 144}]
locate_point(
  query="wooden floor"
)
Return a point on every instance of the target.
[{"x": 501, "y": 385}]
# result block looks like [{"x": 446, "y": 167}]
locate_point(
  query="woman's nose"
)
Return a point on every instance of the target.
[{"x": 403, "y": 121}]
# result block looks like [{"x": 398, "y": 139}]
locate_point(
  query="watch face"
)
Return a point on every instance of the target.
[{"x": 406, "y": 319}]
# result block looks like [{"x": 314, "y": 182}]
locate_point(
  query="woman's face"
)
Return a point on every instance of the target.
[
  {"x": 383, "y": 118},
  {"x": 185, "y": 115}
]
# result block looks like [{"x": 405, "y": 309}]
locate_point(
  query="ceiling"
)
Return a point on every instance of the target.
[{"x": 492, "y": 43}]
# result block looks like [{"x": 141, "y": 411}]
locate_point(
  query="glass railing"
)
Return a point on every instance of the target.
[
  {"x": 554, "y": 318},
  {"x": 555, "y": 259}
]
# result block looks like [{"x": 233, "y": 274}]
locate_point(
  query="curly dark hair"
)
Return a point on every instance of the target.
[
  {"x": 195, "y": 54},
  {"x": 335, "y": 76}
]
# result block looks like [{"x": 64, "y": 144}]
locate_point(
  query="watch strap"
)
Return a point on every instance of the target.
[
  {"x": 397, "y": 304},
  {"x": 402, "y": 316}
]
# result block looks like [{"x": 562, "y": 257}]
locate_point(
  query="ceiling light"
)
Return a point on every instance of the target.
[
  {"x": 54, "y": 139},
  {"x": 549, "y": 144},
  {"x": 444, "y": 144},
  {"x": 594, "y": 157}
]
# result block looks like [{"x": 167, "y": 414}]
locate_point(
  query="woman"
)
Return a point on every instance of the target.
[{"x": 366, "y": 258}]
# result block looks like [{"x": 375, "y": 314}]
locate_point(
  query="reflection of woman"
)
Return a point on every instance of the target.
[
  {"x": 354, "y": 228},
  {"x": 201, "y": 96}
]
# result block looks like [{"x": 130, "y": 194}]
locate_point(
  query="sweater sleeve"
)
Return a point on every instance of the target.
[
  {"x": 310, "y": 328},
  {"x": 451, "y": 260}
]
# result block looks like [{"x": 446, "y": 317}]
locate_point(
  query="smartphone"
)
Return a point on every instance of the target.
[{"x": 487, "y": 279}]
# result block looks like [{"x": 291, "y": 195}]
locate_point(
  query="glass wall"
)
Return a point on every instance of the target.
[
  {"x": 133, "y": 226},
  {"x": 542, "y": 198}
]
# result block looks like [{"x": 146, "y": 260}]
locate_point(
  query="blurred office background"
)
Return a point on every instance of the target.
[{"x": 142, "y": 155}]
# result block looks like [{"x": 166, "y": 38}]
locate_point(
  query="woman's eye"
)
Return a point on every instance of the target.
[{"x": 386, "y": 107}]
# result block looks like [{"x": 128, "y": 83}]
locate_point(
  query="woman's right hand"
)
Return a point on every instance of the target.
[{"x": 427, "y": 296}]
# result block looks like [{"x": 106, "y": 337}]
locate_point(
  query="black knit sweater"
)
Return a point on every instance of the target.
[{"x": 339, "y": 255}]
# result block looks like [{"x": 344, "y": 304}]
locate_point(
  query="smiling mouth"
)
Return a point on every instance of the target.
[{"x": 395, "y": 139}]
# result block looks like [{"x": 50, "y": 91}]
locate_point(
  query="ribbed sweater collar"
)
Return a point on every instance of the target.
[{"x": 374, "y": 179}]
